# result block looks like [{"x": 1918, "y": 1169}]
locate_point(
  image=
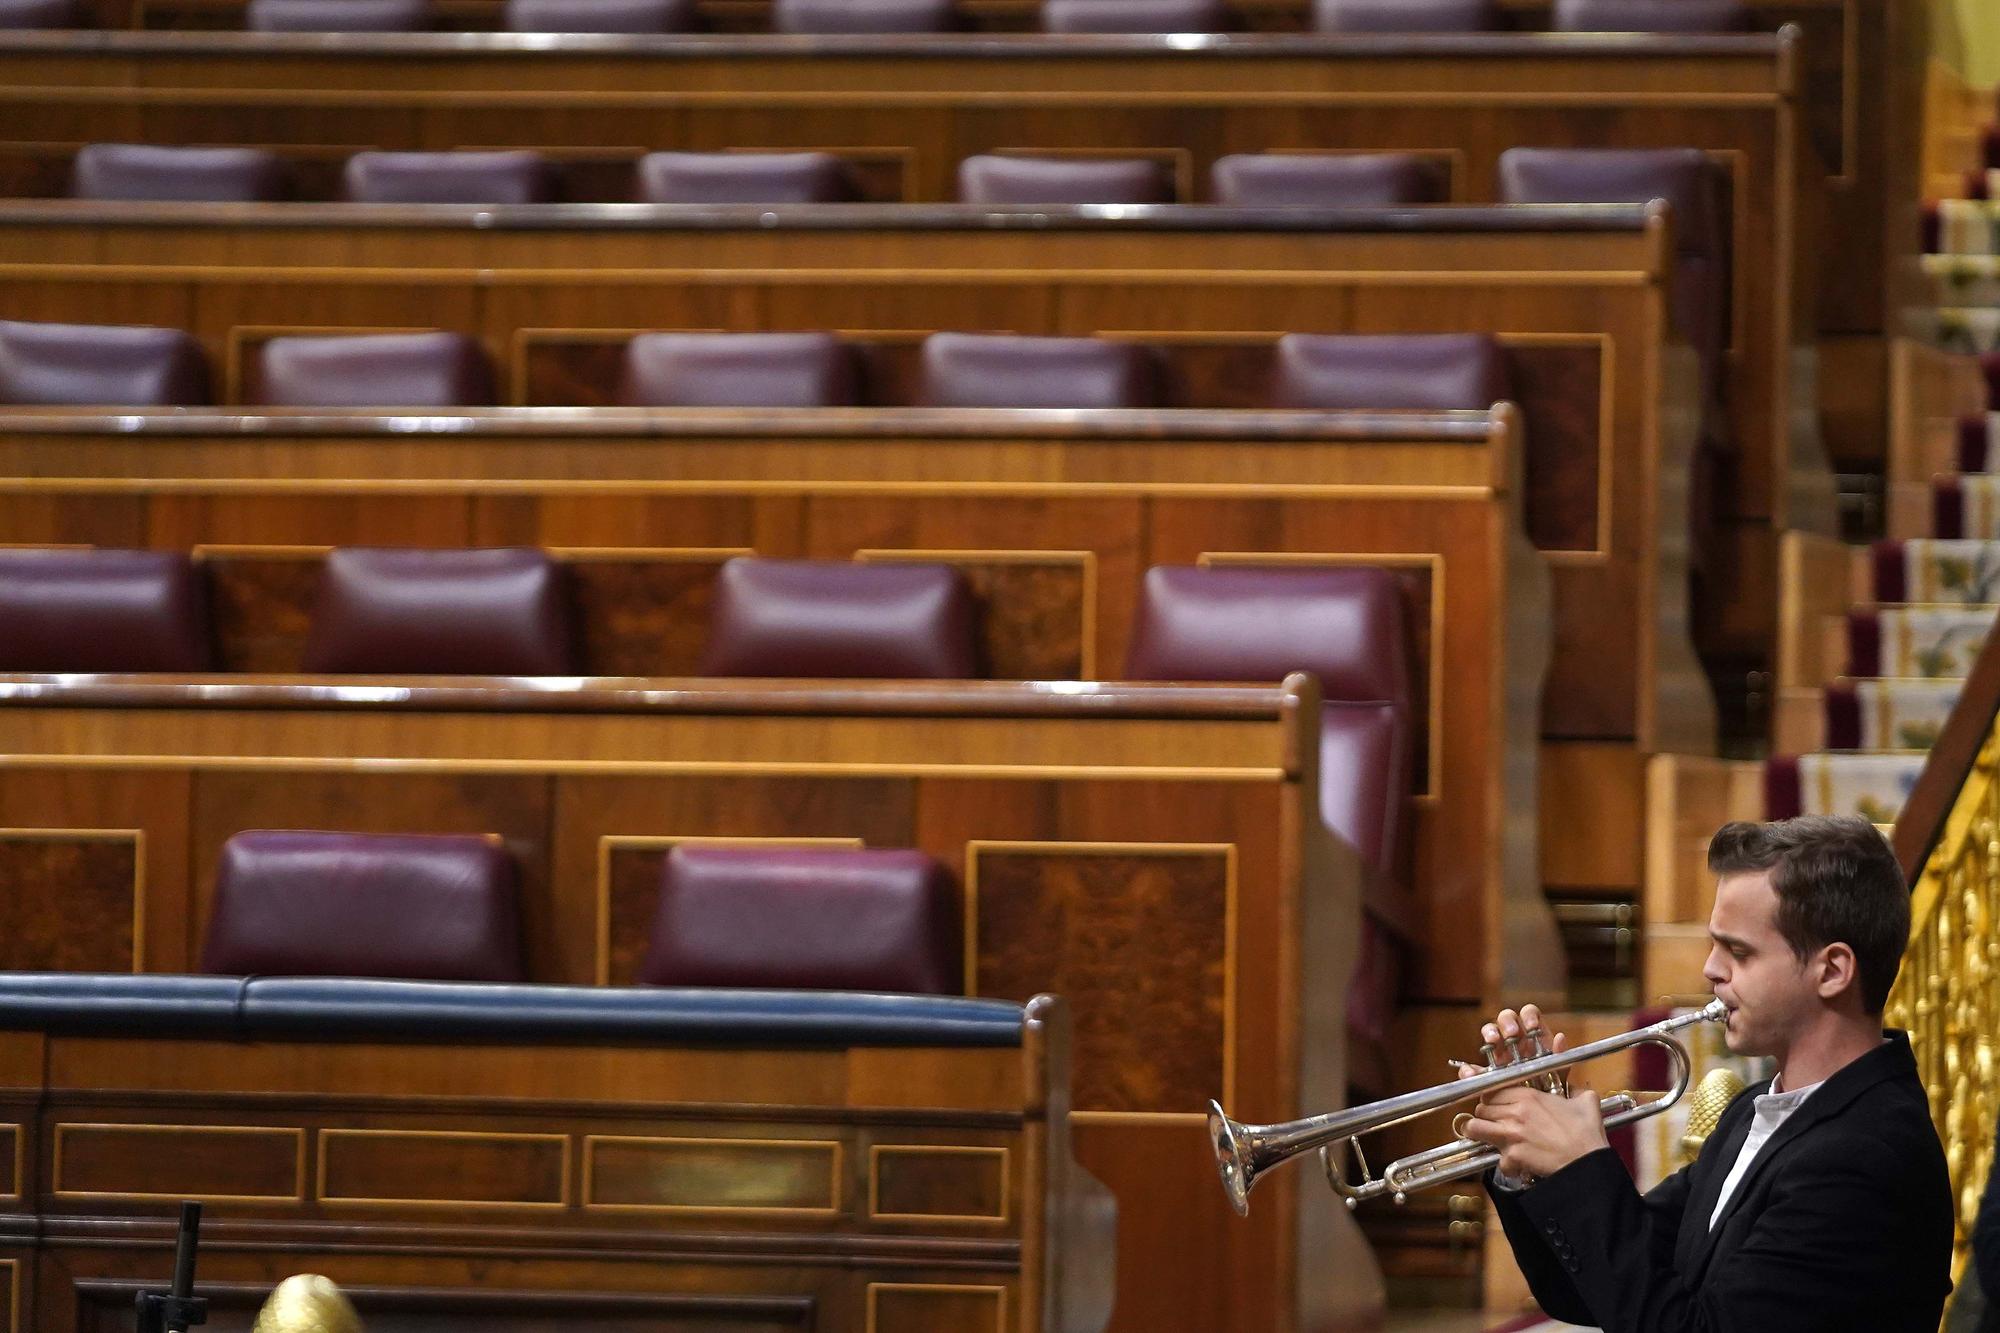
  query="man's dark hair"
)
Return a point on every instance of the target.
[{"x": 1837, "y": 882}]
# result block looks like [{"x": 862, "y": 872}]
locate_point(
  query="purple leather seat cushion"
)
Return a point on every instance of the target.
[
  {"x": 102, "y": 610},
  {"x": 744, "y": 178},
  {"x": 1363, "y": 372},
  {"x": 1404, "y": 15},
  {"x": 806, "y": 918},
  {"x": 338, "y": 15},
  {"x": 995, "y": 179},
  {"x": 413, "y": 370},
  {"x": 1007, "y": 370},
  {"x": 863, "y": 16},
  {"x": 831, "y": 619},
  {"x": 203, "y": 175},
  {"x": 1134, "y": 16},
  {"x": 449, "y": 178},
  {"x": 1326, "y": 180},
  {"x": 423, "y": 908},
  {"x": 629, "y": 16},
  {"x": 740, "y": 370},
  {"x": 1649, "y": 16},
  {"x": 388, "y": 611},
  {"x": 99, "y": 365}
]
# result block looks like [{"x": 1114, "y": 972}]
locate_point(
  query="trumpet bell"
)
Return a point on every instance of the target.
[{"x": 1230, "y": 1160}]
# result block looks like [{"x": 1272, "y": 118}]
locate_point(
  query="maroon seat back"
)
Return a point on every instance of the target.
[
  {"x": 99, "y": 365},
  {"x": 449, "y": 178},
  {"x": 831, "y": 619},
  {"x": 18, "y": 14},
  {"x": 739, "y": 370},
  {"x": 1437, "y": 372},
  {"x": 1404, "y": 15},
  {"x": 630, "y": 16},
  {"x": 1018, "y": 370},
  {"x": 806, "y": 918},
  {"x": 153, "y": 172},
  {"x": 1134, "y": 16},
  {"x": 412, "y": 907},
  {"x": 411, "y": 370},
  {"x": 744, "y": 178},
  {"x": 991, "y": 178},
  {"x": 337, "y": 15},
  {"x": 1345, "y": 626},
  {"x": 485, "y": 612},
  {"x": 1650, "y": 16},
  {"x": 1327, "y": 180},
  {"x": 1693, "y": 186},
  {"x": 863, "y": 16},
  {"x": 102, "y": 610}
]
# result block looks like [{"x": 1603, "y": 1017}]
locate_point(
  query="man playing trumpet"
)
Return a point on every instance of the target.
[{"x": 1821, "y": 1201}]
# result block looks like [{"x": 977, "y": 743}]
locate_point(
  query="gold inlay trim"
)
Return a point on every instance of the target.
[
  {"x": 877, "y": 1289},
  {"x": 833, "y": 1148},
  {"x": 65, "y": 1131},
  {"x": 329, "y": 1137}
]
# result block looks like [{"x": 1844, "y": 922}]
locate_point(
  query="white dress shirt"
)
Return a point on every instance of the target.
[{"x": 1770, "y": 1111}]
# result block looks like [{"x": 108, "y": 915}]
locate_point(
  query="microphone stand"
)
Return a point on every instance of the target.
[{"x": 178, "y": 1310}]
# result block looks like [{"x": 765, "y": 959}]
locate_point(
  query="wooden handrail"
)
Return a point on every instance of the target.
[{"x": 1922, "y": 821}]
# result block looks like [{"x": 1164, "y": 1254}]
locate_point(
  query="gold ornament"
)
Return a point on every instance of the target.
[
  {"x": 1718, "y": 1088},
  {"x": 307, "y": 1303}
]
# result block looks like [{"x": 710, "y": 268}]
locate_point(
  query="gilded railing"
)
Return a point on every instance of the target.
[{"x": 1948, "y": 994}]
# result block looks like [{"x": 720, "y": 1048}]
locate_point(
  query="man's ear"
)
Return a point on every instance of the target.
[{"x": 1834, "y": 971}]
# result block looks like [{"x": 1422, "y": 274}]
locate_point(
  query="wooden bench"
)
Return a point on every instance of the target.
[
  {"x": 1576, "y": 293},
  {"x": 934, "y": 101},
  {"x": 521, "y": 1157},
  {"x": 1174, "y": 829}
]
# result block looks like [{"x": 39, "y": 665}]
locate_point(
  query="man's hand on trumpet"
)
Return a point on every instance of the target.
[{"x": 1537, "y": 1133}]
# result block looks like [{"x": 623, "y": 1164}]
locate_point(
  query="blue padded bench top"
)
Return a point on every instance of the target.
[{"x": 250, "y": 1008}]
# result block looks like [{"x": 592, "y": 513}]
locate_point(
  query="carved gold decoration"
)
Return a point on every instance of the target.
[
  {"x": 1946, "y": 994},
  {"x": 307, "y": 1303}
]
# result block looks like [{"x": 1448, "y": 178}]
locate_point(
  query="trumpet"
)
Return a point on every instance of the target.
[{"x": 1243, "y": 1153}]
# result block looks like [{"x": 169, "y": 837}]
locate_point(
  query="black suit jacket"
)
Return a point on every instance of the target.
[{"x": 1843, "y": 1222}]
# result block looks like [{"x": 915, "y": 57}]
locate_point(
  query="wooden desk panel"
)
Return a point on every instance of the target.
[
  {"x": 935, "y": 101},
  {"x": 596, "y": 1187},
  {"x": 1581, "y": 288},
  {"x": 1230, "y": 932}
]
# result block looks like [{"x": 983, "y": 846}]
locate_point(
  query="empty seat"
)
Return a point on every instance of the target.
[
  {"x": 430, "y": 907},
  {"x": 1015, "y": 370},
  {"x": 1693, "y": 186},
  {"x": 629, "y": 16},
  {"x": 1327, "y": 180},
  {"x": 102, "y": 610},
  {"x": 1649, "y": 16},
  {"x": 485, "y": 612},
  {"x": 832, "y": 619},
  {"x": 806, "y": 918},
  {"x": 153, "y": 172},
  {"x": 1439, "y": 372},
  {"x": 744, "y": 178},
  {"x": 990, "y": 178},
  {"x": 1134, "y": 16},
  {"x": 16, "y": 14},
  {"x": 338, "y": 15},
  {"x": 449, "y": 178},
  {"x": 411, "y": 370},
  {"x": 739, "y": 370},
  {"x": 99, "y": 365},
  {"x": 1346, "y": 626},
  {"x": 863, "y": 16},
  {"x": 1404, "y": 15}
]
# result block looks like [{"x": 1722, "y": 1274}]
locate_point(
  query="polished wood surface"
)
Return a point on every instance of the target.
[
  {"x": 1580, "y": 293},
  {"x": 863, "y": 1189},
  {"x": 1200, "y": 800}
]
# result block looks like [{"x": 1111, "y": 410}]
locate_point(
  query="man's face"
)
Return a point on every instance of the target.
[{"x": 1753, "y": 970}]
